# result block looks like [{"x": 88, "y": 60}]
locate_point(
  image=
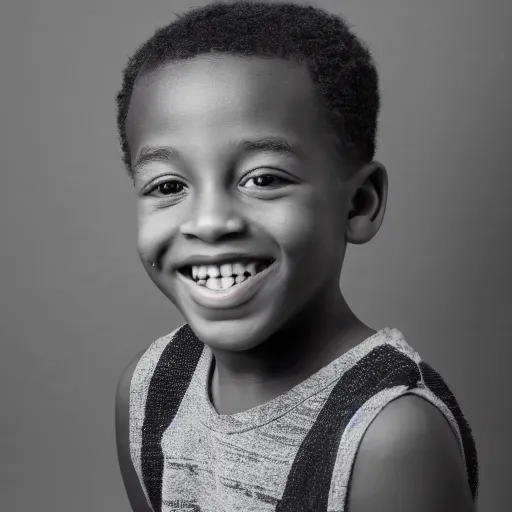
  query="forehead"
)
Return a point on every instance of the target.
[{"x": 210, "y": 99}]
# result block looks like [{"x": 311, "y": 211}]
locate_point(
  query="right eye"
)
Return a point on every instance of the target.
[{"x": 167, "y": 188}]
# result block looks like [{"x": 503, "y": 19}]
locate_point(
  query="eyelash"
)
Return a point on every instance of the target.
[{"x": 155, "y": 187}]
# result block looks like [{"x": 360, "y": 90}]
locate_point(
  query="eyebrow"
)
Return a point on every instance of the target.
[{"x": 262, "y": 145}]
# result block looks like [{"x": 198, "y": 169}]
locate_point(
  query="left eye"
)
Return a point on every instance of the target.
[{"x": 265, "y": 180}]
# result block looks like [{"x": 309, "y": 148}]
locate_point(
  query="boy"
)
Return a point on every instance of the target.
[{"x": 248, "y": 130}]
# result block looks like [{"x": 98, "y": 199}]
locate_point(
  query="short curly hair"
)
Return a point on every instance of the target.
[{"x": 339, "y": 63}]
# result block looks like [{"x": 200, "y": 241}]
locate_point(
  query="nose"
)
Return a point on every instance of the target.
[{"x": 213, "y": 218}]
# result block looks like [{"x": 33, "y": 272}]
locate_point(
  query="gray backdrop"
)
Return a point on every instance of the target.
[{"x": 77, "y": 304}]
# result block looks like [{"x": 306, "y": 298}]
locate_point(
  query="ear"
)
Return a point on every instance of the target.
[{"x": 368, "y": 203}]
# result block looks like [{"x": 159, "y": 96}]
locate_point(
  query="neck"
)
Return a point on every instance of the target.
[{"x": 315, "y": 337}]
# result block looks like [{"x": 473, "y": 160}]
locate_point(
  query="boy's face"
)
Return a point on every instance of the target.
[{"x": 216, "y": 197}]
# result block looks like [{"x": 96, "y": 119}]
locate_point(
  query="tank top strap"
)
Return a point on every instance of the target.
[
  {"x": 413, "y": 376},
  {"x": 159, "y": 383},
  {"x": 329, "y": 447}
]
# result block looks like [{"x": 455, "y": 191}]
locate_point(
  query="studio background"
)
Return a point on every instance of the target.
[{"x": 77, "y": 304}]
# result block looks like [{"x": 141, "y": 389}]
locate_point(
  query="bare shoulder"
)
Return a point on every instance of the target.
[
  {"x": 134, "y": 490},
  {"x": 409, "y": 460},
  {"x": 123, "y": 386}
]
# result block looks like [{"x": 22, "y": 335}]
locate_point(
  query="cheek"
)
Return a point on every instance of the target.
[
  {"x": 306, "y": 230},
  {"x": 152, "y": 230},
  {"x": 144, "y": 244}
]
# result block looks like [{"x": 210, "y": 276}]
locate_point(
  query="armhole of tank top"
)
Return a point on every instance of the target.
[
  {"x": 356, "y": 428},
  {"x": 350, "y": 441},
  {"x": 422, "y": 391},
  {"x": 139, "y": 387}
]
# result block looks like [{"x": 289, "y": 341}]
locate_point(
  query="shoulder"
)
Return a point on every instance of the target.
[
  {"x": 152, "y": 355},
  {"x": 130, "y": 478},
  {"x": 153, "y": 352},
  {"x": 409, "y": 460},
  {"x": 123, "y": 386},
  {"x": 123, "y": 402}
]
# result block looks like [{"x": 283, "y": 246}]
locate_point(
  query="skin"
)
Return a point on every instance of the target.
[{"x": 213, "y": 202}]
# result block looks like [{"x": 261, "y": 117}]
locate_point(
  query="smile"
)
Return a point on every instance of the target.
[
  {"x": 223, "y": 276},
  {"x": 225, "y": 286}
]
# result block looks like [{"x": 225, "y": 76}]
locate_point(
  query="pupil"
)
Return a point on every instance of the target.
[
  {"x": 169, "y": 187},
  {"x": 261, "y": 181}
]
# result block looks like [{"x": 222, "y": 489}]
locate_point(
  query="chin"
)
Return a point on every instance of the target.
[{"x": 231, "y": 335}]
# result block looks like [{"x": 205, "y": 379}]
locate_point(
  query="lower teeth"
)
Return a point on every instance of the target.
[{"x": 216, "y": 283}]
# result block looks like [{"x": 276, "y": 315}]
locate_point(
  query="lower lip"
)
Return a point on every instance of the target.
[{"x": 232, "y": 297}]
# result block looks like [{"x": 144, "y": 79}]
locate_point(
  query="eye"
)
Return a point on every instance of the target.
[
  {"x": 265, "y": 180},
  {"x": 167, "y": 188}
]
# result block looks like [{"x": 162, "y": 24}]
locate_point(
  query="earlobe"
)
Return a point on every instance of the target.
[{"x": 368, "y": 203}]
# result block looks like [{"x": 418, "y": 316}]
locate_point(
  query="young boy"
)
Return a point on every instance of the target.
[{"x": 248, "y": 130}]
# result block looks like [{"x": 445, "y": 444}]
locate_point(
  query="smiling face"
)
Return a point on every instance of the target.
[{"x": 205, "y": 187}]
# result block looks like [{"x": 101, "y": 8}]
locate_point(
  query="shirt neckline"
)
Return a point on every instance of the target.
[{"x": 280, "y": 405}]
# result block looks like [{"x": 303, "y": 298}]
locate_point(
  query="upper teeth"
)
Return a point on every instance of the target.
[{"x": 225, "y": 270}]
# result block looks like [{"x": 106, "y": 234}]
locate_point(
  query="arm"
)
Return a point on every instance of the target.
[
  {"x": 409, "y": 461},
  {"x": 134, "y": 490}
]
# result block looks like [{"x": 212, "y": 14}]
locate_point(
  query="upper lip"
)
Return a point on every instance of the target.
[{"x": 216, "y": 259}]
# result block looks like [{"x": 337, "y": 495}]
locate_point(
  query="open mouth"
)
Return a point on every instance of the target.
[{"x": 226, "y": 275}]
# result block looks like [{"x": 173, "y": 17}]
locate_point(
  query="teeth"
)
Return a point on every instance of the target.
[
  {"x": 213, "y": 283},
  {"x": 251, "y": 268},
  {"x": 225, "y": 270},
  {"x": 213, "y": 271},
  {"x": 238, "y": 269},
  {"x": 227, "y": 282}
]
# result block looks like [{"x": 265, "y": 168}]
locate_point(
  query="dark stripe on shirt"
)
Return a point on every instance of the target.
[
  {"x": 167, "y": 388},
  {"x": 438, "y": 386},
  {"x": 309, "y": 479}
]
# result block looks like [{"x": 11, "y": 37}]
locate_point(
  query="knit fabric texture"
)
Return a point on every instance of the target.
[{"x": 293, "y": 453}]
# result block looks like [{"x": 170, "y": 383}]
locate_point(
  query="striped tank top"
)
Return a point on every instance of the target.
[{"x": 189, "y": 457}]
